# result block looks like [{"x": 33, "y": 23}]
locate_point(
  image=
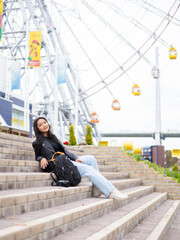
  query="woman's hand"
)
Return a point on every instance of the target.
[
  {"x": 78, "y": 160},
  {"x": 44, "y": 163}
]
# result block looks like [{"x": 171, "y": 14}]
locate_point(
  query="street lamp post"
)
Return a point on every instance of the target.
[
  {"x": 156, "y": 76},
  {"x": 76, "y": 106}
]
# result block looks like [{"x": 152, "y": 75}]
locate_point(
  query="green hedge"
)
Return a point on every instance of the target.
[{"x": 161, "y": 170}]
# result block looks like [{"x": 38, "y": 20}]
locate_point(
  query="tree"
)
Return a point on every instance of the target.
[
  {"x": 88, "y": 135},
  {"x": 175, "y": 168},
  {"x": 72, "y": 138}
]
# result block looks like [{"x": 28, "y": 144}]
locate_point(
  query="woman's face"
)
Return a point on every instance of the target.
[{"x": 42, "y": 125}]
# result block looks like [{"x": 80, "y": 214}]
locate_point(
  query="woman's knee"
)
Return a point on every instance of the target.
[
  {"x": 93, "y": 159},
  {"x": 88, "y": 169},
  {"x": 88, "y": 159}
]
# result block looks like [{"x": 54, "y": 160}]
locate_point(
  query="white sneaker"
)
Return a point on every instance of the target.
[
  {"x": 96, "y": 192},
  {"x": 115, "y": 194}
]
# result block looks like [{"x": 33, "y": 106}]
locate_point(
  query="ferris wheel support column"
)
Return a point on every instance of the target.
[
  {"x": 26, "y": 102},
  {"x": 8, "y": 76},
  {"x": 158, "y": 103}
]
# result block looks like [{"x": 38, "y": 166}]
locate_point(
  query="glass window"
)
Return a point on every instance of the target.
[{"x": 18, "y": 119}]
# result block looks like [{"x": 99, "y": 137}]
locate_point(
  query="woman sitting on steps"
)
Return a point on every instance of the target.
[{"x": 46, "y": 144}]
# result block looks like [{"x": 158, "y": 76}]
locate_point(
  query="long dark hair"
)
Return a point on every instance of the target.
[{"x": 39, "y": 135}]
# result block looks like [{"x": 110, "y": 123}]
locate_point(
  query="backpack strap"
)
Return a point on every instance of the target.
[
  {"x": 52, "y": 159},
  {"x": 54, "y": 182}
]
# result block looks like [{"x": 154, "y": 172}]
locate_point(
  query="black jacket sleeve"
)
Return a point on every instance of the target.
[
  {"x": 47, "y": 153},
  {"x": 69, "y": 154},
  {"x": 38, "y": 154}
]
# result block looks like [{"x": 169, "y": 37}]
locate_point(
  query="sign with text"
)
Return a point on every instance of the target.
[
  {"x": 1, "y": 17},
  {"x": 34, "y": 49}
]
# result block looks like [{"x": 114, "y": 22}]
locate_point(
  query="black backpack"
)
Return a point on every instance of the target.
[{"x": 66, "y": 173}]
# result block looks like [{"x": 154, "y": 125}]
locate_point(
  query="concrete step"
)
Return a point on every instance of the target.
[
  {"x": 24, "y": 200},
  {"x": 15, "y": 149},
  {"x": 90, "y": 148},
  {"x": 100, "y": 153},
  {"x": 13, "y": 165},
  {"x": 33, "y": 162},
  {"x": 107, "y": 151},
  {"x": 156, "y": 226},
  {"x": 6, "y": 143},
  {"x": 16, "y": 138},
  {"x": 121, "y": 160},
  {"x": 110, "y": 168},
  {"x": 174, "y": 231},
  {"x": 19, "y": 180},
  {"x": 23, "y": 154},
  {"x": 116, "y": 224},
  {"x": 46, "y": 224},
  {"x": 18, "y": 154},
  {"x": 79, "y": 150},
  {"x": 33, "y": 199},
  {"x": 8, "y": 165},
  {"x": 107, "y": 156},
  {"x": 31, "y": 209}
]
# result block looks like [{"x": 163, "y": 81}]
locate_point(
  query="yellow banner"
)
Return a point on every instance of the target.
[
  {"x": 1, "y": 16},
  {"x": 34, "y": 49}
]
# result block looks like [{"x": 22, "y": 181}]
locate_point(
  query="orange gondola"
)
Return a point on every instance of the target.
[
  {"x": 94, "y": 118},
  {"x": 116, "y": 105}
]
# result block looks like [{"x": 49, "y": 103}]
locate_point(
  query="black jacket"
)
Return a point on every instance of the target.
[{"x": 47, "y": 151}]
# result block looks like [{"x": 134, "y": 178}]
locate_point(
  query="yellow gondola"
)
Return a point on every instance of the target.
[
  {"x": 116, "y": 105},
  {"x": 172, "y": 53},
  {"x": 137, "y": 150},
  {"x": 128, "y": 146},
  {"x": 94, "y": 118},
  {"x": 136, "y": 90}
]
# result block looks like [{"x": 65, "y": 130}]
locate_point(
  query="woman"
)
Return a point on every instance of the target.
[{"x": 46, "y": 144}]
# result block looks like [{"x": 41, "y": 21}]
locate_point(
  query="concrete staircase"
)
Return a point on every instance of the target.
[{"x": 31, "y": 209}]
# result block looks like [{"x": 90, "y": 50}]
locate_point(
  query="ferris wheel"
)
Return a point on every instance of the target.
[{"x": 85, "y": 11}]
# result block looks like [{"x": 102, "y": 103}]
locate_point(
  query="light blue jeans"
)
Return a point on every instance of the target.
[{"x": 90, "y": 169}]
